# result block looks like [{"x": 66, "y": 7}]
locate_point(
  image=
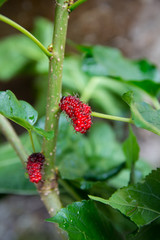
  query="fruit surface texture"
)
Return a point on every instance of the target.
[
  {"x": 34, "y": 167},
  {"x": 79, "y": 112}
]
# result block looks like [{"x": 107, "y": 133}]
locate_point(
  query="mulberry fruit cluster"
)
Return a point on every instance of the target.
[
  {"x": 79, "y": 112},
  {"x": 34, "y": 167}
]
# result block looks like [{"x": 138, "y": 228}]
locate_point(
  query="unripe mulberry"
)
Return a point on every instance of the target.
[
  {"x": 34, "y": 167},
  {"x": 79, "y": 112}
]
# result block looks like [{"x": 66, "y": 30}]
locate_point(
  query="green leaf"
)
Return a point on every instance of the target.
[
  {"x": 105, "y": 92},
  {"x": 97, "y": 154},
  {"x": 43, "y": 30},
  {"x": 92, "y": 176},
  {"x": 19, "y": 54},
  {"x": 146, "y": 232},
  {"x": 140, "y": 202},
  {"x": 128, "y": 97},
  {"x": 18, "y": 111},
  {"x": 16, "y": 53},
  {"x": 82, "y": 221},
  {"x": 13, "y": 179},
  {"x": 11, "y": 61},
  {"x": 142, "y": 169},
  {"x": 2, "y": 2},
  {"x": 146, "y": 117},
  {"x": 143, "y": 115},
  {"x": 48, "y": 135},
  {"x": 72, "y": 166},
  {"x": 100, "y": 61},
  {"x": 106, "y": 151},
  {"x": 131, "y": 149},
  {"x": 148, "y": 86},
  {"x": 70, "y": 154},
  {"x": 12, "y": 173},
  {"x": 102, "y": 92},
  {"x": 77, "y": 79},
  {"x": 21, "y": 113},
  {"x": 134, "y": 70}
]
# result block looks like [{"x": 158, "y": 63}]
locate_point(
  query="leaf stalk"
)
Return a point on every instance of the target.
[
  {"x": 25, "y": 32},
  {"x": 75, "y": 5},
  {"x": 110, "y": 117},
  {"x": 31, "y": 138}
]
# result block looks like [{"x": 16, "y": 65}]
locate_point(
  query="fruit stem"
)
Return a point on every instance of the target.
[
  {"x": 25, "y": 32},
  {"x": 8, "y": 131},
  {"x": 31, "y": 138},
  {"x": 75, "y": 5},
  {"x": 110, "y": 117}
]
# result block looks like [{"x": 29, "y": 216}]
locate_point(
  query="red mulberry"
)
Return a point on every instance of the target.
[
  {"x": 34, "y": 166},
  {"x": 79, "y": 112}
]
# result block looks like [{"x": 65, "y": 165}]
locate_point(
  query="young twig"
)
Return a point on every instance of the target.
[
  {"x": 25, "y": 32},
  {"x": 110, "y": 117},
  {"x": 8, "y": 131},
  {"x": 75, "y": 5}
]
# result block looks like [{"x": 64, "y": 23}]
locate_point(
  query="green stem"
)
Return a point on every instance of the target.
[
  {"x": 25, "y": 32},
  {"x": 31, "y": 138},
  {"x": 156, "y": 103},
  {"x": 70, "y": 190},
  {"x": 110, "y": 117},
  {"x": 55, "y": 83},
  {"x": 49, "y": 189},
  {"x": 131, "y": 180},
  {"x": 76, "y": 4},
  {"x": 12, "y": 137}
]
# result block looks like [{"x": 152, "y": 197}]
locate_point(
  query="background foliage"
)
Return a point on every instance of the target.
[{"x": 102, "y": 161}]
